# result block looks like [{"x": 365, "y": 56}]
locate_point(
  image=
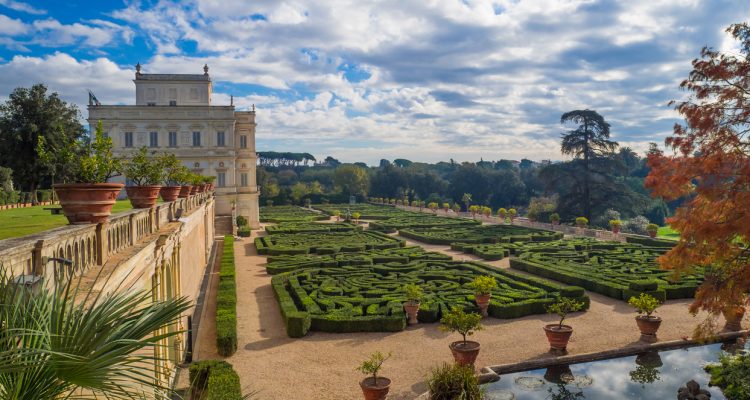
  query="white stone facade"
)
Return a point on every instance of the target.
[{"x": 173, "y": 113}]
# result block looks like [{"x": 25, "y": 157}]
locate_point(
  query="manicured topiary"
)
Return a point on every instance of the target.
[
  {"x": 214, "y": 380},
  {"x": 226, "y": 302},
  {"x": 244, "y": 231},
  {"x": 582, "y": 222}
]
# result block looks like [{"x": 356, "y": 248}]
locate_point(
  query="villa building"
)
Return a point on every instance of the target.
[{"x": 174, "y": 113}]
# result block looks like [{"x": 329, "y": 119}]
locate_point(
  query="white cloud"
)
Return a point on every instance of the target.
[
  {"x": 22, "y": 7},
  {"x": 10, "y": 26}
]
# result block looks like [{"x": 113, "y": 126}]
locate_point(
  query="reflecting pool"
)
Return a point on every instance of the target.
[{"x": 647, "y": 376}]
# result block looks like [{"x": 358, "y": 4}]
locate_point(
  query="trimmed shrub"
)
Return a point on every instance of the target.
[
  {"x": 241, "y": 221},
  {"x": 244, "y": 231},
  {"x": 226, "y": 302},
  {"x": 214, "y": 380}
]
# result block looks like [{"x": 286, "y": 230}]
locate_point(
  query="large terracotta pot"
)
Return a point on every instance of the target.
[
  {"x": 648, "y": 325},
  {"x": 193, "y": 189},
  {"x": 143, "y": 196},
  {"x": 375, "y": 390},
  {"x": 170, "y": 193},
  {"x": 483, "y": 301},
  {"x": 465, "y": 353},
  {"x": 201, "y": 188},
  {"x": 615, "y": 229},
  {"x": 557, "y": 336},
  {"x": 185, "y": 191},
  {"x": 652, "y": 234},
  {"x": 87, "y": 203},
  {"x": 412, "y": 311},
  {"x": 733, "y": 317}
]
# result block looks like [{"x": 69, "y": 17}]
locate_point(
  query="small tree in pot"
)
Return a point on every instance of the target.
[
  {"x": 414, "y": 295},
  {"x": 90, "y": 198},
  {"x": 512, "y": 214},
  {"x": 464, "y": 351},
  {"x": 374, "y": 387},
  {"x": 197, "y": 182},
  {"x": 145, "y": 174},
  {"x": 170, "y": 176},
  {"x": 554, "y": 219},
  {"x": 615, "y": 225},
  {"x": 582, "y": 222},
  {"x": 502, "y": 213},
  {"x": 185, "y": 178},
  {"x": 652, "y": 229},
  {"x": 209, "y": 181},
  {"x": 558, "y": 334},
  {"x": 482, "y": 287},
  {"x": 356, "y": 216},
  {"x": 648, "y": 324},
  {"x": 456, "y": 208},
  {"x": 446, "y": 207}
]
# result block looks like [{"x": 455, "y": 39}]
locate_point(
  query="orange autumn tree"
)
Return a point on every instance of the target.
[{"x": 709, "y": 168}]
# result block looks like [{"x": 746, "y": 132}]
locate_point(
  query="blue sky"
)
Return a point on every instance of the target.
[{"x": 364, "y": 80}]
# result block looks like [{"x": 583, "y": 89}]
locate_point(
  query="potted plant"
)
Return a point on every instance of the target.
[
  {"x": 464, "y": 351},
  {"x": 198, "y": 185},
  {"x": 648, "y": 324},
  {"x": 456, "y": 208},
  {"x": 558, "y": 334},
  {"x": 414, "y": 295},
  {"x": 170, "y": 170},
  {"x": 652, "y": 229},
  {"x": 554, "y": 219},
  {"x": 184, "y": 177},
  {"x": 374, "y": 387},
  {"x": 582, "y": 222},
  {"x": 446, "y": 207},
  {"x": 337, "y": 214},
  {"x": 91, "y": 197},
  {"x": 615, "y": 225},
  {"x": 355, "y": 216},
  {"x": 482, "y": 286},
  {"x": 453, "y": 381},
  {"x": 502, "y": 213},
  {"x": 512, "y": 214},
  {"x": 209, "y": 181},
  {"x": 145, "y": 175}
]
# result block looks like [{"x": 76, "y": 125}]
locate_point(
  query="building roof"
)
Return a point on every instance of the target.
[{"x": 173, "y": 77}]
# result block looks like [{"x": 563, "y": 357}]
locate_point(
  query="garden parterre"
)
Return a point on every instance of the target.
[
  {"x": 618, "y": 270},
  {"x": 278, "y": 214},
  {"x": 310, "y": 227},
  {"x": 355, "y": 293},
  {"x": 324, "y": 242},
  {"x": 366, "y": 211},
  {"x": 479, "y": 234}
]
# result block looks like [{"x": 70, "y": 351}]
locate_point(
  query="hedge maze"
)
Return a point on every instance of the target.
[
  {"x": 479, "y": 234},
  {"x": 277, "y": 214},
  {"x": 310, "y": 227},
  {"x": 330, "y": 295},
  {"x": 617, "y": 270},
  {"x": 324, "y": 242},
  {"x": 367, "y": 211}
]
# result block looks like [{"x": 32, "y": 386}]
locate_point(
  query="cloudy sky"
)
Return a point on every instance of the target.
[{"x": 363, "y": 80}]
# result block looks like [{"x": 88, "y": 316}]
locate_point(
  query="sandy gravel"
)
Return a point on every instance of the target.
[{"x": 321, "y": 365}]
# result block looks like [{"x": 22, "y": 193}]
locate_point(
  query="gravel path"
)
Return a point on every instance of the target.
[{"x": 321, "y": 365}]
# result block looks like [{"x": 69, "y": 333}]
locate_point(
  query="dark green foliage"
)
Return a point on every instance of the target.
[
  {"x": 279, "y": 214},
  {"x": 324, "y": 242},
  {"x": 618, "y": 270},
  {"x": 214, "y": 380},
  {"x": 244, "y": 231},
  {"x": 731, "y": 375},
  {"x": 652, "y": 242},
  {"x": 309, "y": 227},
  {"x": 453, "y": 381},
  {"x": 226, "y": 302},
  {"x": 479, "y": 234},
  {"x": 241, "y": 221}
]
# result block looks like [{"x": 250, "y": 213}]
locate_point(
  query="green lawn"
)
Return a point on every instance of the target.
[
  {"x": 666, "y": 232},
  {"x": 25, "y": 221}
]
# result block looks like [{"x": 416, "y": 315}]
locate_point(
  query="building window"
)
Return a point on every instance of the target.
[
  {"x": 151, "y": 104},
  {"x": 172, "y": 102},
  {"x": 153, "y": 139},
  {"x": 196, "y": 139},
  {"x": 128, "y": 139},
  {"x": 243, "y": 141},
  {"x": 221, "y": 179},
  {"x": 172, "y": 139},
  {"x": 243, "y": 179},
  {"x": 220, "y": 139}
]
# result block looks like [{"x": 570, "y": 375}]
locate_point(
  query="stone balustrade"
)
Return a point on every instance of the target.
[{"x": 91, "y": 244}]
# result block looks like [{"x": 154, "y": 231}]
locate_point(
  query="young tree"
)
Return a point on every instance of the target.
[
  {"x": 466, "y": 199},
  {"x": 352, "y": 180},
  {"x": 587, "y": 142},
  {"x": 709, "y": 167}
]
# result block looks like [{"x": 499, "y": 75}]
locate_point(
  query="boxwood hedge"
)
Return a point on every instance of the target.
[
  {"x": 618, "y": 270},
  {"x": 226, "y": 302},
  {"x": 309, "y": 227},
  {"x": 477, "y": 234},
  {"x": 279, "y": 214},
  {"x": 337, "y": 295},
  {"x": 214, "y": 380},
  {"x": 324, "y": 242}
]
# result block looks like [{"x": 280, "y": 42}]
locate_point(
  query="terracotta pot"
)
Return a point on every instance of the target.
[
  {"x": 733, "y": 318},
  {"x": 375, "y": 390},
  {"x": 465, "y": 353},
  {"x": 201, "y": 188},
  {"x": 412, "y": 310},
  {"x": 652, "y": 234},
  {"x": 615, "y": 229},
  {"x": 87, "y": 203},
  {"x": 648, "y": 325},
  {"x": 185, "y": 191},
  {"x": 170, "y": 193},
  {"x": 483, "y": 301},
  {"x": 558, "y": 337},
  {"x": 193, "y": 189},
  {"x": 143, "y": 196}
]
